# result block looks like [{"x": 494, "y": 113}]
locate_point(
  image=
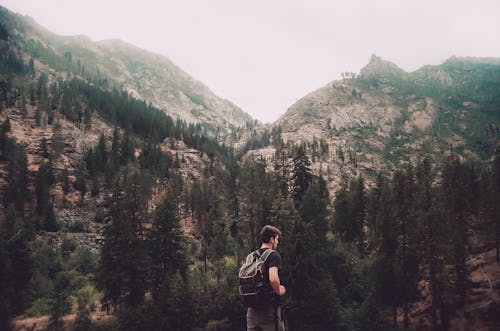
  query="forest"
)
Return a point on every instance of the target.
[{"x": 359, "y": 260}]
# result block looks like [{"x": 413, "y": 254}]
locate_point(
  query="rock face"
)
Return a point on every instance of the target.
[
  {"x": 386, "y": 116},
  {"x": 114, "y": 63},
  {"x": 378, "y": 67}
]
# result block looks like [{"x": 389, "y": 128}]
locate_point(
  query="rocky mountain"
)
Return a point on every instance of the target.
[
  {"x": 115, "y": 63},
  {"x": 385, "y": 117}
]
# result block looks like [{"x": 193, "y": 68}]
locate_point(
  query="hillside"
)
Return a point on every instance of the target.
[{"x": 114, "y": 63}]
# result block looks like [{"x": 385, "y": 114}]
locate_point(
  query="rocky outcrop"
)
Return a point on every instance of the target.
[{"x": 381, "y": 69}]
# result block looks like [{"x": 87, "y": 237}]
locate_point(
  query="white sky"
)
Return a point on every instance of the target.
[{"x": 264, "y": 55}]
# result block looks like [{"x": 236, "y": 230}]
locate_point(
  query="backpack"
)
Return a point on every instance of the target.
[{"x": 253, "y": 287}]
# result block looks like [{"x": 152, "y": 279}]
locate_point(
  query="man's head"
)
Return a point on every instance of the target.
[{"x": 270, "y": 235}]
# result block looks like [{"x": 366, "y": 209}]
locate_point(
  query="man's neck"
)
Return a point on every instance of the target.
[{"x": 266, "y": 245}]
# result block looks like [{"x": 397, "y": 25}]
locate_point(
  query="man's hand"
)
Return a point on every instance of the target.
[{"x": 282, "y": 290}]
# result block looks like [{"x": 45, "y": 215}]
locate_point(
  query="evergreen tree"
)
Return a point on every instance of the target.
[
  {"x": 404, "y": 191},
  {"x": 495, "y": 201},
  {"x": 165, "y": 244},
  {"x": 122, "y": 269},
  {"x": 350, "y": 212},
  {"x": 16, "y": 190},
  {"x": 21, "y": 272},
  {"x": 60, "y": 304},
  {"x": 80, "y": 184},
  {"x": 101, "y": 154},
  {"x": 342, "y": 223},
  {"x": 313, "y": 298},
  {"x": 301, "y": 174},
  {"x": 358, "y": 211},
  {"x": 281, "y": 169},
  {"x": 252, "y": 188},
  {"x": 433, "y": 239},
  {"x": 126, "y": 149},
  {"x": 5, "y": 290},
  {"x": 456, "y": 190},
  {"x": 175, "y": 306},
  {"x": 43, "y": 180},
  {"x": 376, "y": 209},
  {"x": 387, "y": 268},
  {"x": 235, "y": 228},
  {"x": 115, "y": 149},
  {"x": 314, "y": 209}
]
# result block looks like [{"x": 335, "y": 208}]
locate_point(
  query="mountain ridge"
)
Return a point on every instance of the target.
[{"x": 146, "y": 75}]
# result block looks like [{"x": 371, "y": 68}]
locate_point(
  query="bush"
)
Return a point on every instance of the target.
[
  {"x": 77, "y": 226},
  {"x": 40, "y": 306}
]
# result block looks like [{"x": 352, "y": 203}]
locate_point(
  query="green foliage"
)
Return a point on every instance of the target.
[
  {"x": 350, "y": 212},
  {"x": 122, "y": 269},
  {"x": 165, "y": 245},
  {"x": 59, "y": 302},
  {"x": 301, "y": 175},
  {"x": 44, "y": 178}
]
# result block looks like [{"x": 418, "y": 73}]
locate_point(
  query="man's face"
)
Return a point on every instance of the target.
[{"x": 274, "y": 242}]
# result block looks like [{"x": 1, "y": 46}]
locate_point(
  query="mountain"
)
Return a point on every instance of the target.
[
  {"x": 385, "y": 117},
  {"x": 115, "y": 63}
]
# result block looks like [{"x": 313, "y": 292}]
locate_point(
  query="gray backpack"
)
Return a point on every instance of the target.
[{"x": 254, "y": 289}]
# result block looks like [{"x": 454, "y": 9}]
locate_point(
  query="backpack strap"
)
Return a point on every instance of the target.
[{"x": 266, "y": 254}]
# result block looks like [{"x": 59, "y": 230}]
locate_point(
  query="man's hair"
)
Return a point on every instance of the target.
[{"x": 269, "y": 232}]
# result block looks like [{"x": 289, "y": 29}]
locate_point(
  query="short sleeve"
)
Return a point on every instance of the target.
[{"x": 274, "y": 260}]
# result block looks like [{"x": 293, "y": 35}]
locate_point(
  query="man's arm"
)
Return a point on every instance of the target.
[{"x": 274, "y": 280}]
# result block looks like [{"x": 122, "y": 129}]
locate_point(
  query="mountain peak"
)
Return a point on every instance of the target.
[{"x": 379, "y": 67}]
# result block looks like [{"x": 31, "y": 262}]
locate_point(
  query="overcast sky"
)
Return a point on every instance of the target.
[{"x": 264, "y": 55}]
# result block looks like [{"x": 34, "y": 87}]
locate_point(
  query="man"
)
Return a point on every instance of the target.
[{"x": 268, "y": 317}]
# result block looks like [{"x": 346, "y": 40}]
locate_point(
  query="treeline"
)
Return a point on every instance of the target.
[
  {"x": 415, "y": 226},
  {"x": 78, "y": 100},
  {"x": 357, "y": 268}
]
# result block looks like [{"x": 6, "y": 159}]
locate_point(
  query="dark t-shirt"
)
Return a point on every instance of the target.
[{"x": 273, "y": 260}]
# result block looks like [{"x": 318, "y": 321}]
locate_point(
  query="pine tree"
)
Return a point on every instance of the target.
[
  {"x": 16, "y": 191},
  {"x": 376, "y": 208},
  {"x": 60, "y": 304},
  {"x": 495, "y": 201},
  {"x": 43, "y": 180},
  {"x": 122, "y": 270},
  {"x": 252, "y": 192},
  {"x": 387, "y": 273},
  {"x": 301, "y": 175},
  {"x": 233, "y": 206},
  {"x": 175, "y": 306},
  {"x": 456, "y": 182},
  {"x": 101, "y": 154},
  {"x": 432, "y": 247},
  {"x": 358, "y": 211},
  {"x": 314, "y": 209},
  {"x": 115, "y": 149},
  {"x": 281, "y": 169},
  {"x": 312, "y": 293},
  {"x": 5, "y": 289},
  {"x": 342, "y": 224},
  {"x": 165, "y": 244},
  {"x": 350, "y": 212},
  {"x": 21, "y": 272},
  {"x": 404, "y": 191}
]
